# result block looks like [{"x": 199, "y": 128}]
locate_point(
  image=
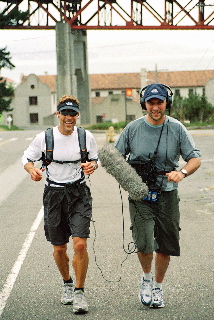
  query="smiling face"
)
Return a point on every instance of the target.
[
  {"x": 155, "y": 111},
  {"x": 67, "y": 122}
]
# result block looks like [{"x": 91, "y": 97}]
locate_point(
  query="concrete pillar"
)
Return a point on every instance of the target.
[
  {"x": 143, "y": 78},
  {"x": 72, "y": 67}
]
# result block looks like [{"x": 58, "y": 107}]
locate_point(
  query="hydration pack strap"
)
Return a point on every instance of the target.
[
  {"x": 49, "y": 140},
  {"x": 82, "y": 144}
]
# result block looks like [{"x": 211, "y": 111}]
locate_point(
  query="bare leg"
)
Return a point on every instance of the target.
[
  {"x": 145, "y": 261},
  {"x": 161, "y": 265},
  {"x": 80, "y": 260},
  {"x": 62, "y": 260}
]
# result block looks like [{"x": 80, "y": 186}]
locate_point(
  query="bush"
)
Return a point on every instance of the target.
[
  {"x": 195, "y": 108},
  {"x": 106, "y": 125}
]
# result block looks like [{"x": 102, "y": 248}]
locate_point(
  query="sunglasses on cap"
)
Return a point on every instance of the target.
[{"x": 72, "y": 113}]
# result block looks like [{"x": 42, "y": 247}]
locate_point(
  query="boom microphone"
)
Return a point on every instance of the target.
[{"x": 115, "y": 164}]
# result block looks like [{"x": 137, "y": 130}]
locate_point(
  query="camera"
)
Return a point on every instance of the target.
[{"x": 146, "y": 170}]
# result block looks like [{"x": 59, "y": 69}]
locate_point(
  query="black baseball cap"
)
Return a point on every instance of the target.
[{"x": 68, "y": 105}]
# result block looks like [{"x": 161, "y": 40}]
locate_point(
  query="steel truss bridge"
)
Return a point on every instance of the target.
[{"x": 112, "y": 14}]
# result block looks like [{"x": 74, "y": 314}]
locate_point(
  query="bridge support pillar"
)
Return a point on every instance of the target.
[{"x": 72, "y": 67}]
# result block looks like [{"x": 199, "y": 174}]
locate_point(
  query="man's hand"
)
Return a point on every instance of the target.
[
  {"x": 35, "y": 173},
  {"x": 89, "y": 167},
  {"x": 175, "y": 176},
  {"x": 192, "y": 165}
]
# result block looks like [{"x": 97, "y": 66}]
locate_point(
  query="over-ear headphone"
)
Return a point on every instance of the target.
[{"x": 168, "y": 98}]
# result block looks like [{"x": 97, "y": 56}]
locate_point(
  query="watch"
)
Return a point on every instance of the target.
[
  {"x": 94, "y": 166},
  {"x": 184, "y": 172}
]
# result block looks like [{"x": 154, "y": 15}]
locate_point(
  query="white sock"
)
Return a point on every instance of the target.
[
  {"x": 158, "y": 285},
  {"x": 147, "y": 276}
]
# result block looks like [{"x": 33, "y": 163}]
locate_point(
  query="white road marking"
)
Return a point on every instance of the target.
[
  {"x": 10, "y": 178},
  {"x": 8, "y": 286}
]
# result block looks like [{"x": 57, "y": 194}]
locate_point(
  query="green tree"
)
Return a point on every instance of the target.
[
  {"x": 6, "y": 93},
  {"x": 177, "y": 110},
  {"x": 13, "y": 18},
  {"x": 5, "y": 59},
  {"x": 6, "y": 89},
  {"x": 195, "y": 108}
]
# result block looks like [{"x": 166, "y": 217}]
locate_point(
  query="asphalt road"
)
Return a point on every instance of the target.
[{"x": 30, "y": 285}]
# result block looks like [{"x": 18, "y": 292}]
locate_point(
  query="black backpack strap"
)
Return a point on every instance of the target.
[
  {"x": 82, "y": 143},
  {"x": 49, "y": 141}
]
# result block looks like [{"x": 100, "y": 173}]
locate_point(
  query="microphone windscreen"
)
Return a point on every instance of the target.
[{"x": 115, "y": 164}]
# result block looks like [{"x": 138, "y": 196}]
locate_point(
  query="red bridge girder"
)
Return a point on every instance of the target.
[{"x": 113, "y": 14}]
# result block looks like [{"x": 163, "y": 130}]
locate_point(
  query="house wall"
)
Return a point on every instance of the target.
[
  {"x": 184, "y": 91},
  {"x": 109, "y": 106},
  {"x": 23, "y": 110},
  {"x": 114, "y": 108},
  {"x": 209, "y": 91},
  {"x": 113, "y": 105}
]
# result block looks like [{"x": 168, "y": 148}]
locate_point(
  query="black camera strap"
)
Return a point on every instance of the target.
[
  {"x": 155, "y": 154},
  {"x": 156, "y": 150}
]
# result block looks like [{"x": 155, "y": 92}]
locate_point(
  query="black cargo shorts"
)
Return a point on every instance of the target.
[
  {"x": 67, "y": 212},
  {"x": 155, "y": 226}
]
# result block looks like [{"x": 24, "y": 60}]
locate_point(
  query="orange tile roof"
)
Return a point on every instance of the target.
[
  {"x": 114, "y": 81},
  {"x": 50, "y": 80},
  {"x": 174, "y": 79},
  {"x": 2, "y": 79},
  {"x": 119, "y": 81},
  {"x": 182, "y": 78}
]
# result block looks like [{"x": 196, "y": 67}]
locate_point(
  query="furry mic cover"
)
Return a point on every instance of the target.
[{"x": 115, "y": 164}]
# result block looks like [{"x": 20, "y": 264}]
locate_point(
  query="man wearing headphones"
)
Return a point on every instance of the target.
[
  {"x": 67, "y": 199},
  {"x": 153, "y": 145}
]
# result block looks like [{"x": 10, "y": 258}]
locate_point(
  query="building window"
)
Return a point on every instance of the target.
[
  {"x": 34, "y": 118},
  {"x": 110, "y": 92},
  {"x": 130, "y": 117},
  {"x": 177, "y": 92},
  {"x": 33, "y": 101},
  {"x": 191, "y": 91},
  {"x": 97, "y": 93},
  {"x": 203, "y": 91},
  {"x": 99, "y": 119}
]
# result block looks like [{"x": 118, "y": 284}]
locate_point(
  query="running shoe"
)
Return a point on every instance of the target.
[
  {"x": 80, "y": 304},
  {"x": 68, "y": 293},
  {"x": 145, "y": 294},
  {"x": 157, "y": 298}
]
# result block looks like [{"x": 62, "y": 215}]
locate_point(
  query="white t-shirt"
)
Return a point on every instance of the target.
[{"x": 66, "y": 148}]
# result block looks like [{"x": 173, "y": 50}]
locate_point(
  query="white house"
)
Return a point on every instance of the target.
[{"x": 34, "y": 102}]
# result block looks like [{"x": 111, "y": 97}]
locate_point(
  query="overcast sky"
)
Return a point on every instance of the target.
[{"x": 34, "y": 51}]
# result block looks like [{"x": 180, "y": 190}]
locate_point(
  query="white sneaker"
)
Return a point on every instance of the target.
[
  {"x": 157, "y": 298},
  {"x": 79, "y": 304},
  {"x": 68, "y": 293},
  {"x": 145, "y": 294}
]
